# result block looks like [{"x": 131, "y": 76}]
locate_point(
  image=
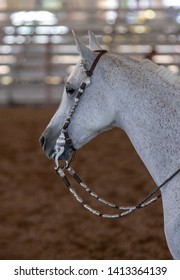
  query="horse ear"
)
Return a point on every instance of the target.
[
  {"x": 93, "y": 42},
  {"x": 86, "y": 54}
]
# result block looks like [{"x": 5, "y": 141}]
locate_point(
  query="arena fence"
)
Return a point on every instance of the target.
[{"x": 37, "y": 50}]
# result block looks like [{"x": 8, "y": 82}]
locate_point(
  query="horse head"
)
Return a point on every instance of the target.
[{"x": 92, "y": 115}]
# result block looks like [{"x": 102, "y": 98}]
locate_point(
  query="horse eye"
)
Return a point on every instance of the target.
[{"x": 70, "y": 90}]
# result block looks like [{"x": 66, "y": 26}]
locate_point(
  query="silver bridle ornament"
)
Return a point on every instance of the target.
[{"x": 64, "y": 138}]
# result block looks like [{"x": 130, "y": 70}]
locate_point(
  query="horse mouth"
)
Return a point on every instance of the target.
[
  {"x": 65, "y": 155},
  {"x": 55, "y": 149}
]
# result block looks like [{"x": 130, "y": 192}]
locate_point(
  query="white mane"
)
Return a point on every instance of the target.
[{"x": 162, "y": 72}]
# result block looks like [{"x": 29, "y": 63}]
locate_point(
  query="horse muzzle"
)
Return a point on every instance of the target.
[{"x": 60, "y": 148}]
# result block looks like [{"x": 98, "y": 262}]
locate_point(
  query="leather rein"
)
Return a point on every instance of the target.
[{"x": 64, "y": 139}]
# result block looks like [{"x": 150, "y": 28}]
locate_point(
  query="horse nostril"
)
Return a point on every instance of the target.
[{"x": 42, "y": 140}]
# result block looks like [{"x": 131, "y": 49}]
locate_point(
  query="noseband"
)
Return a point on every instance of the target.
[{"x": 64, "y": 140}]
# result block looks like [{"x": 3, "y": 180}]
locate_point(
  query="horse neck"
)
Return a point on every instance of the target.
[{"x": 145, "y": 111}]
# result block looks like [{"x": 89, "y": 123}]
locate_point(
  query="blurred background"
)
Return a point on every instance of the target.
[
  {"x": 37, "y": 49},
  {"x": 38, "y": 217}
]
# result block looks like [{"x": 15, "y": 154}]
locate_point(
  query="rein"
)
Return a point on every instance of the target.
[
  {"x": 125, "y": 210},
  {"x": 64, "y": 139}
]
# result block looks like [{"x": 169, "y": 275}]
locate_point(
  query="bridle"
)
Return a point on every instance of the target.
[
  {"x": 64, "y": 136},
  {"x": 64, "y": 140}
]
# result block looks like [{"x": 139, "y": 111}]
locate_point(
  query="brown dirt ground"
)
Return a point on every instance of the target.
[{"x": 39, "y": 219}]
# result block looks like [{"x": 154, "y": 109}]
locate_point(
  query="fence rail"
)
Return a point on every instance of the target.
[{"x": 37, "y": 50}]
